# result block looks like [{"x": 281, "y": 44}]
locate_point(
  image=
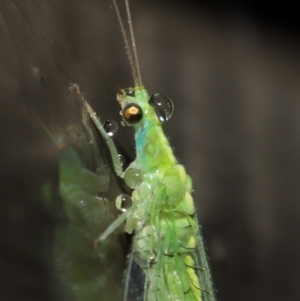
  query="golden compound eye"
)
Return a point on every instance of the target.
[{"x": 132, "y": 113}]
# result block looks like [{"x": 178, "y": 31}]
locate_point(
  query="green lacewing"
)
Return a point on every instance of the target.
[{"x": 167, "y": 241}]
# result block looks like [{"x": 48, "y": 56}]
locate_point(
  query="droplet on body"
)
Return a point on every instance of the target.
[
  {"x": 162, "y": 105},
  {"x": 133, "y": 177},
  {"x": 129, "y": 92},
  {"x": 121, "y": 158},
  {"x": 110, "y": 127},
  {"x": 123, "y": 202}
]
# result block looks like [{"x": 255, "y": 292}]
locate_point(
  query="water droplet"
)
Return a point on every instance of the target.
[
  {"x": 121, "y": 158},
  {"x": 110, "y": 127},
  {"x": 162, "y": 105},
  {"x": 151, "y": 256},
  {"x": 38, "y": 74},
  {"x": 133, "y": 178},
  {"x": 129, "y": 92},
  {"x": 123, "y": 202}
]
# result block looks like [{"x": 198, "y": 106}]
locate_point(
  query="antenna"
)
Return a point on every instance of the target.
[
  {"x": 133, "y": 59},
  {"x": 137, "y": 65}
]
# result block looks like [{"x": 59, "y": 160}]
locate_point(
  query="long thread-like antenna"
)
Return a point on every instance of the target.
[
  {"x": 133, "y": 59},
  {"x": 133, "y": 41}
]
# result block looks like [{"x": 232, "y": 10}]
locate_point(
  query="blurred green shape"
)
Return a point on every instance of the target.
[{"x": 87, "y": 271}]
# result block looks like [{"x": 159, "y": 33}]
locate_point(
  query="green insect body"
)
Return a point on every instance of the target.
[
  {"x": 167, "y": 243},
  {"x": 163, "y": 213}
]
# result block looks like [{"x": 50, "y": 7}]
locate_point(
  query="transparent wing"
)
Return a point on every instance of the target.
[
  {"x": 134, "y": 281},
  {"x": 203, "y": 270},
  {"x": 180, "y": 273}
]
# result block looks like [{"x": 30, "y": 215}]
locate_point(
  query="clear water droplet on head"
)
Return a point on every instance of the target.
[
  {"x": 121, "y": 158},
  {"x": 123, "y": 202},
  {"x": 133, "y": 178},
  {"x": 129, "y": 92},
  {"x": 110, "y": 127},
  {"x": 162, "y": 105}
]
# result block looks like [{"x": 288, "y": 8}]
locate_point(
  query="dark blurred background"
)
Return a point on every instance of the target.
[{"x": 233, "y": 73}]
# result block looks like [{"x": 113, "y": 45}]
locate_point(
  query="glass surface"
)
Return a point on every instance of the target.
[
  {"x": 235, "y": 87},
  {"x": 57, "y": 186}
]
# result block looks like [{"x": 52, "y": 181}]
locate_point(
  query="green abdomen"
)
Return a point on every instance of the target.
[{"x": 164, "y": 222}]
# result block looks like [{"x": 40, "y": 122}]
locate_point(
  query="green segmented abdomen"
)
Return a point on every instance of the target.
[{"x": 166, "y": 239}]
